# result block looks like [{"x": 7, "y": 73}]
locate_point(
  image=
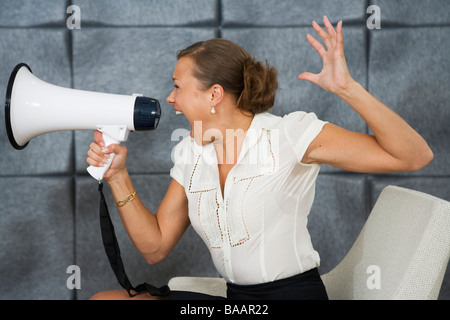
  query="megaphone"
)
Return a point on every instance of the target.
[{"x": 34, "y": 107}]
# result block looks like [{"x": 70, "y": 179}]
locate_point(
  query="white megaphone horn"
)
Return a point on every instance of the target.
[{"x": 34, "y": 107}]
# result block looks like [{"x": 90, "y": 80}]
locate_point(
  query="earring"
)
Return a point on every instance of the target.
[{"x": 213, "y": 111}]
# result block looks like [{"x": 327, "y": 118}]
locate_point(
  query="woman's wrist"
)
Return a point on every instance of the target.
[
  {"x": 118, "y": 178},
  {"x": 349, "y": 91},
  {"x": 121, "y": 186}
]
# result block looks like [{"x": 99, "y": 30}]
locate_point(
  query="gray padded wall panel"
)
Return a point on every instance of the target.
[
  {"x": 22, "y": 13},
  {"x": 414, "y": 12},
  {"x": 335, "y": 224},
  {"x": 417, "y": 87},
  {"x": 37, "y": 238},
  {"x": 149, "y": 12},
  {"x": 289, "y": 12}
]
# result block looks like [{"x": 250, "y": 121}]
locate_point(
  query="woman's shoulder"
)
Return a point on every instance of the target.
[
  {"x": 300, "y": 116},
  {"x": 295, "y": 118}
]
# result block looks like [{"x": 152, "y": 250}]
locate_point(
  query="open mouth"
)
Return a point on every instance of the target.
[{"x": 191, "y": 133}]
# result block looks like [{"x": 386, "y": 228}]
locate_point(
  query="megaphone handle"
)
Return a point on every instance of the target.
[{"x": 99, "y": 172}]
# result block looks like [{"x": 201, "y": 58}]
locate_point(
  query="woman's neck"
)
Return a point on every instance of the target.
[{"x": 234, "y": 128}]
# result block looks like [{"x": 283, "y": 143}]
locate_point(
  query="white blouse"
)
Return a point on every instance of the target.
[{"x": 256, "y": 231}]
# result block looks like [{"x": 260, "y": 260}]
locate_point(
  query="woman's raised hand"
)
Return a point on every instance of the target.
[
  {"x": 98, "y": 155},
  {"x": 335, "y": 76}
]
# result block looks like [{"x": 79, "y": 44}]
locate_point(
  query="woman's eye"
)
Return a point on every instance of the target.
[{"x": 175, "y": 86}]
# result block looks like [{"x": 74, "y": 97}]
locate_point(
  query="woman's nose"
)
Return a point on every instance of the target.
[{"x": 170, "y": 99}]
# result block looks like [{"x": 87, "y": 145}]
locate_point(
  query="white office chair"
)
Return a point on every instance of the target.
[{"x": 402, "y": 252}]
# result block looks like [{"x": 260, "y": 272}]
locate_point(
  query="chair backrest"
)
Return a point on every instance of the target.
[{"x": 401, "y": 253}]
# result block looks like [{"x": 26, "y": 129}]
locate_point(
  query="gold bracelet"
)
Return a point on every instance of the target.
[{"x": 123, "y": 202}]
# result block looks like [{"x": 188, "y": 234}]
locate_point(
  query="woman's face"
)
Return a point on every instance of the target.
[{"x": 188, "y": 97}]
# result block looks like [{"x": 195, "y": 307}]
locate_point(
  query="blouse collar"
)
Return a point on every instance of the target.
[
  {"x": 262, "y": 161},
  {"x": 261, "y": 121}
]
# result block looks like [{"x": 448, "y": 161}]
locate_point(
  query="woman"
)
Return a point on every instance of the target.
[{"x": 245, "y": 178}]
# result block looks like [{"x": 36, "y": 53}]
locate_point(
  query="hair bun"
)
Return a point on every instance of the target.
[{"x": 260, "y": 86}]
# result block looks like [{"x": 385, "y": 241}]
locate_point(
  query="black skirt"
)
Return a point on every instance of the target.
[{"x": 305, "y": 286}]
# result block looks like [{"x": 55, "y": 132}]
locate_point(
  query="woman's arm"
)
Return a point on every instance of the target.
[
  {"x": 394, "y": 145},
  {"x": 154, "y": 235}
]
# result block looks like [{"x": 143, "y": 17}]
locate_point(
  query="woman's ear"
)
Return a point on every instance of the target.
[{"x": 217, "y": 94}]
